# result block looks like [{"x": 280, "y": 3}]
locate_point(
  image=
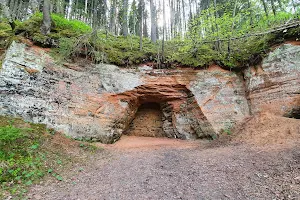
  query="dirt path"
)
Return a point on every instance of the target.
[{"x": 172, "y": 169}]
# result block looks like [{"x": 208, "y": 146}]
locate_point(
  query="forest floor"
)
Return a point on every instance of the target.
[{"x": 261, "y": 162}]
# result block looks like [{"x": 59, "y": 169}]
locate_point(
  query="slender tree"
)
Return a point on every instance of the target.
[
  {"x": 250, "y": 11},
  {"x": 217, "y": 45},
  {"x": 273, "y": 7},
  {"x": 153, "y": 22},
  {"x": 140, "y": 10},
  {"x": 164, "y": 32},
  {"x": 46, "y": 24},
  {"x": 145, "y": 26},
  {"x": 294, "y": 5},
  {"x": 133, "y": 17},
  {"x": 232, "y": 27},
  {"x": 125, "y": 18},
  {"x": 265, "y": 7},
  {"x": 112, "y": 20},
  {"x": 183, "y": 16}
]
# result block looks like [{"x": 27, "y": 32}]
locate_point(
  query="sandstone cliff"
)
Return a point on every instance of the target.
[{"x": 99, "y": 102}]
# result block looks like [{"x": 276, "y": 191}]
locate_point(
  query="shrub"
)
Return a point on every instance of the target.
[
  {"x": 61, "y": 27},
  {"x": 5, "y": 34}
]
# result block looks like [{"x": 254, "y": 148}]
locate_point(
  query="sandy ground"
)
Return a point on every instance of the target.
[{"x": 261, "y": 160}]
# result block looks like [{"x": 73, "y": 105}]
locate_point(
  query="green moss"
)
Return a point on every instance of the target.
[
  {"x": 69, "y": 28},
  {"x": 5, "y": 34},
  {"x": 61, "y": 27},
  {"x": 107, "y": 48},
  {"x": 243, "y": 52},
  {"x": 75, "y": 39}
]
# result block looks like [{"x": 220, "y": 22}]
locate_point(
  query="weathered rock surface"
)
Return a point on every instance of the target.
[
  {"x": 33, "y": 87},
  {"x": 100, "y": 102},
  {"x": 96, "y": 102},
  {"x": 221, "y": 96},
  {"x": 275, "y": 85}
]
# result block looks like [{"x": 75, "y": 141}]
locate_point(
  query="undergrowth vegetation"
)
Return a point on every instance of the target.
[
  {"x": 27, "y": 154},
  {"x": 71, "y": 39}
]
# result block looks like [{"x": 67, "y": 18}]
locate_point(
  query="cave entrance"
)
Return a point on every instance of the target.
[
  {"x": 147, "y": 122},
  {"x": 294, "y": 113}
]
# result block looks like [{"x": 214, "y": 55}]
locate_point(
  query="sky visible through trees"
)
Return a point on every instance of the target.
[
  {"x": 176, "y": 20},
  {"x": 191, "y": 32}
]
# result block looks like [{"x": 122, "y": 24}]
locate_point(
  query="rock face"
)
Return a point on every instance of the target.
[
  {"x": 100, "y": 102},
  {"x": 275, "y": 85},
  {"x": 33, "y": 87},
  {"x": 221, "y": 96}
]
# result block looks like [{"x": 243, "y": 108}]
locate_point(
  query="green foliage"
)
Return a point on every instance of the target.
[
  {"x": 19, "y": 158},
  {"x": 5, "y": 30},
  {"x": 5, "y": 34},
  {"x": 61, "y": 27},
  {"x": 23, "y": 157},
  {"x": 9, "y": 134},
  {"x": 190, "y": 54},
  {"x": 125, "y": 51},
  {"x": 228, "y": 128},
  {"x": 69, "y": 27},
  {"x": 236, "y": 48},
  {"x": 107, "y": 48},
  {"x": 88, "y": 147}
]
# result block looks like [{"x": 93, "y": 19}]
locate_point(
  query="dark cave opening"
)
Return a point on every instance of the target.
[
  {"x": 147, "y": 121},
  {"x": 294, "y": 113}
]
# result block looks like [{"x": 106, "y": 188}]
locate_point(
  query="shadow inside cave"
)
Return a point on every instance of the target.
[{"x": 147, "y": 122}]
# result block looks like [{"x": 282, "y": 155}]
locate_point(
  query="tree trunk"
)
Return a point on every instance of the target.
[
  {"x": 294, "y": 5},
  {"x": 140, "y": 9},
  {"x": 217, "y": 46},
  {"x": 280, "y": 5},
  {"x": 153, "y": 22},
  {"x": 265, "y": 7},
  {"x": 273, "y": 7},
  {"x": 112, "y": 20},
  {"x": 94, "y": 15},
  {"x": 57, "y": 6},
  {"x": 183, "y": 17},
  {"x": 232, "y": 27},
  {"x": 172, "y": 17},
  {"x": 7, "y": 14},
  {"x": 145, "y": 15},
  {"x": 164, "y": 31},
  {"x": 179, "y": 19},
  {"x": 125, "y": 18},
  {"x": 191, "y": 14},
  {"x": 250, "y": 12},
  {"x": 19, "y": 12},
  {"x": 14, "y": 10},
  {"x": 85, "y": 6},
  {"x": 46, "y": 25},
  {"x": 69, "y": 9}
]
